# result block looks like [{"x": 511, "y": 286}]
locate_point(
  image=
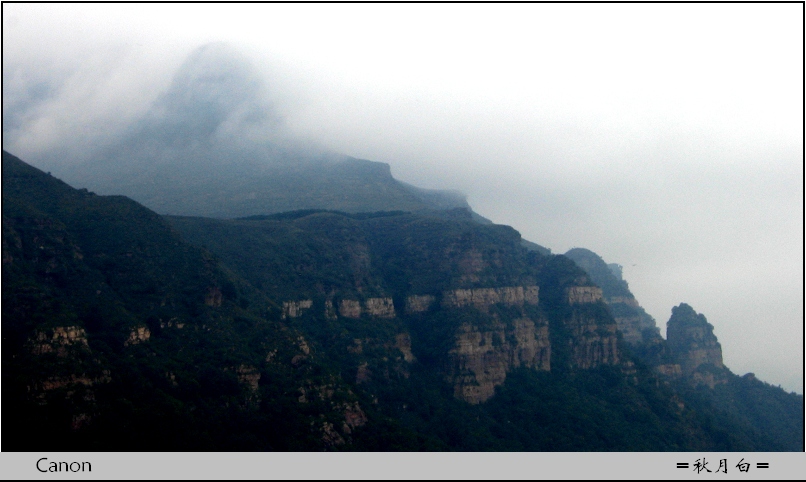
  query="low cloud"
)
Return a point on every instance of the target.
[{"x": 671, "y": 147}]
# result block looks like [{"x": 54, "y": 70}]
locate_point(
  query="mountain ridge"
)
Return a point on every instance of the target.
[
  {"x": 211, "y": 145},
  {"x": 320, "y": 330}
]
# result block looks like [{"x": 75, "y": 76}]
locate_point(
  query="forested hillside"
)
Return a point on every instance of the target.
[{"x": 325, "y": 330}]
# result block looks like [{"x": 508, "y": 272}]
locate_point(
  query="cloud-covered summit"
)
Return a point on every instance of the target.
[
  {"x": 216, "y": 93},
  {"x": 211, "y": 144}
]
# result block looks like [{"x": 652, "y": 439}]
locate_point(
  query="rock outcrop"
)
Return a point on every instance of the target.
[
  {"x": 304, "y": 348},
  {"x": 353, "y": 417},
  {"x": 627, "y": 300},
  {"x": 483, "y": 298},
  {"x": 59, "y": 340},
  {"x": 375, "y": 307},
  {"x": 694, "y": 346},
  {"x": 294, "y": 309},
  {"x": 691, "y": 340},
  {"x": 350, "y": 412},
  {"x": 380, "y": 307},
  {"x": 592, "y": 343},
  {"x": 481, "y": 358},
  {"x": 138, "y": 335},
  {"x": 483, "y": 355},
  {"x": 77, "y": 390},
  {"x": 248, "y": 376},
  {"x": 350, "y": 308},
  {"x": 403, "y": 343},
  {"x": 583, "y": 294},
  {"x": 73, "y": 380},
  {"x": 633, "y": 322}
]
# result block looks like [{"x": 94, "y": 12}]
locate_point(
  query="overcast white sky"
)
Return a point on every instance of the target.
[{"x": 664, "y": 137}]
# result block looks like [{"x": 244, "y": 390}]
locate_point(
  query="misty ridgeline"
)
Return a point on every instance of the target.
[{"x": 214, "y": 285}]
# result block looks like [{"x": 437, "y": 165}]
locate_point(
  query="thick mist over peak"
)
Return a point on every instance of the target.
[
  {"x": 212, "y": 144},
  {"x": 666, "y": 138},
  {"x": 214, "y": 118},
  {"x": 216, "y": 93}
]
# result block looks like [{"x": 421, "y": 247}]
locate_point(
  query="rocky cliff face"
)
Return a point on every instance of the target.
[
  {"x": 630, "y": 327},
  {"x": 583, "y": 294},
  {"x": 480, "y": 298},
  {"x": 483, "y": 298},
  {"x": 60, "y": 340},
  {"x": 694, "y": 346},
  {"x": 635, "y": 325},
  {"x": 435, "y": 269},
  {"x": 380, "y": 307},
  {"x": 593, "y": 337},
  {"x": 485, "y": 350},
  {"x": 403, "y": 343},
  {"x": 294, "y": 309},
  {"x": 375, "y": 307},
  {"x": 403, "y": 314},
  {"x": 627, "y": 300},
  {"x": 481, "y": 358},
  {"x": 592, "y": 343},
  {"x": 482, "y": 355},
  {"x": 690, "y": 352}
]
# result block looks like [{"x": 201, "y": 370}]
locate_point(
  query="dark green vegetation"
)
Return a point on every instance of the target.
[
  {"x": 81, "y": 273},
  {"x": 303, "y": 254},
  {"x": 125, "y": 330}
]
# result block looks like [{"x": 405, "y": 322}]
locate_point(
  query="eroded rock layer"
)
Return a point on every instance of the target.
[{"x": 481, "y": 358}]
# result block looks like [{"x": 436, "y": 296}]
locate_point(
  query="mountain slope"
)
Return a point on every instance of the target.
[
  {"x": 117, "y": 335},
  {"x": 418, "y": 265},
  {"x": 322, "y": 330}
]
